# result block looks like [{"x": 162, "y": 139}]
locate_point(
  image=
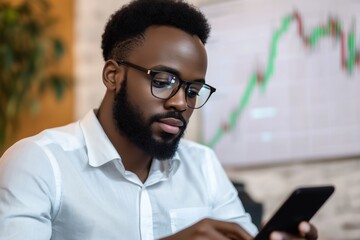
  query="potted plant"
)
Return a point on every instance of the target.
[{"x": 28, "y": 54}]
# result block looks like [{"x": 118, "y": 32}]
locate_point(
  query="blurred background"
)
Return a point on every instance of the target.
[{"x": 287, "y": 108}]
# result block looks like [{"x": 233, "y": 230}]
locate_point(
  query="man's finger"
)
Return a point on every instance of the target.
[
  {"x": 232, "y": 230},
  {"x": 308, "y": 231}
]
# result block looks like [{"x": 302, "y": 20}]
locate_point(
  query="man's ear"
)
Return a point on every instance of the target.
[{"x": 112, "y": 75}]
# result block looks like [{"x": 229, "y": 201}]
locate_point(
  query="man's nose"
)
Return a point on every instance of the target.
[{"x": 178, "y": 101}]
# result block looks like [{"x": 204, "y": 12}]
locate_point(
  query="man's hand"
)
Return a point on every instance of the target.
[
  {"x": 210, "y": 229},
  {"x": 307, "y": 231}
]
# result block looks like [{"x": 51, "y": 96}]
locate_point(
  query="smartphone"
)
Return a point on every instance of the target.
[{"x": 300, "y": 206}]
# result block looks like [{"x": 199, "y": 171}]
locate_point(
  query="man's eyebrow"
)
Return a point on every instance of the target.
[{"x": 174, "y": 71}]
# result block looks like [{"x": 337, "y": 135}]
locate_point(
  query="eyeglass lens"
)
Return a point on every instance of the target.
[{"x": 165, "y": 85}]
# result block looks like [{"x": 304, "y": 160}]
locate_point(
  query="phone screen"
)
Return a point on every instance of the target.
[{"x": 300, "y": 206}]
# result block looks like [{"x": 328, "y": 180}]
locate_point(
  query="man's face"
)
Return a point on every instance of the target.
[
  {"x": 153, "y": 124},
  {"x": 131, "y": 122}
]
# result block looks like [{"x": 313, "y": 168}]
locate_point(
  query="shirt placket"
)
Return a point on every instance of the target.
[{"x": 146, "y": 218}]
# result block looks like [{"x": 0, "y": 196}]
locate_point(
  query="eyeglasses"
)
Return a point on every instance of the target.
[{"x": 165, "y": 85}]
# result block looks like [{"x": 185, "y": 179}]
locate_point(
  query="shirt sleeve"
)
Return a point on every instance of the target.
[
  {"x": 27, "y": 193},
  {"x": 226, "y": 203}
]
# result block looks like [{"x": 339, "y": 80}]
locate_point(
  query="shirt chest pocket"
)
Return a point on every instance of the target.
[{"x": 184, "y": 217}]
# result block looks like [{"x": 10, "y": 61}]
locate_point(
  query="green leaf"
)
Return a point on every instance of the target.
[
  {"x": 58, "y": 48},
  {"x": 58, "y": 86},
  {"x": 27, "y": 49}
]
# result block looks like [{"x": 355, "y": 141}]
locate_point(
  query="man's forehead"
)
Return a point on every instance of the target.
[
  {"x": 158, "y": 39},
  {"x": 173, "y": 48}
]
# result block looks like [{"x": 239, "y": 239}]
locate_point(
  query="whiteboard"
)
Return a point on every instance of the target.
[{"x": 287, "y": 75}]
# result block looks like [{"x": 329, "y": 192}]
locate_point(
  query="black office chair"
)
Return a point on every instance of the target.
[{"x": 255, "y": 209}]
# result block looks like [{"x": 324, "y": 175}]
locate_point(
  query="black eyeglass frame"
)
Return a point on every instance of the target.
[{"x": 153, "y": 72}]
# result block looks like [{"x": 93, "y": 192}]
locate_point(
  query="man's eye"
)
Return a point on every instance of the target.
[
  {"x": 192, "y": 92},
  {"x": 161, "y": 83},
  {"x": 163, "y": 80}
]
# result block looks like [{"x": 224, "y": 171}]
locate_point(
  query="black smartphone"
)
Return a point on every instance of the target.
[{"x": 300, "y": 206}]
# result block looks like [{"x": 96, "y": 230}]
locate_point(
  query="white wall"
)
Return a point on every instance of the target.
[{"x": 339, "y": 219}]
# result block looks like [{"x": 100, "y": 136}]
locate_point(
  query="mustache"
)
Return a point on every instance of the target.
[{"x": 176, "y": 115}]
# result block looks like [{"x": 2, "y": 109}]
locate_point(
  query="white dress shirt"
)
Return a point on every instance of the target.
[{"x": 69, "y": 183}]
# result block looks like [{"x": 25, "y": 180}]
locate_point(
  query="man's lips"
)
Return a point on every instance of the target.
[{"x": 170, "y": 125}]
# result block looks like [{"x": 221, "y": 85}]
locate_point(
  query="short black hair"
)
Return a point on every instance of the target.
[{"x": 125, "y": 28}]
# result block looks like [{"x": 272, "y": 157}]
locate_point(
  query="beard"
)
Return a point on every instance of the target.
[{"x": 132, "y": 124}]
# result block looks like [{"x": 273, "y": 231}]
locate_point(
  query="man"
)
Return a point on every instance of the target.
[{"x": 122, "y": 172}]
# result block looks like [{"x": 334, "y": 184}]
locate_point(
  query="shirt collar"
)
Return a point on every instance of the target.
[
  {"x": 99, "y": 148},
  {"x": 161, "y": 170}
]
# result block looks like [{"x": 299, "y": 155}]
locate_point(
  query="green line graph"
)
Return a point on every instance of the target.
[{"x": 349, "y": 60}]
